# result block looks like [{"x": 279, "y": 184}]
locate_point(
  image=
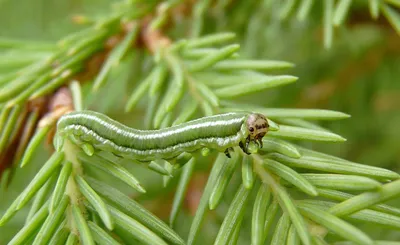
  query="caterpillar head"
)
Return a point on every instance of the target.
[{"x": 257, "y": 126}]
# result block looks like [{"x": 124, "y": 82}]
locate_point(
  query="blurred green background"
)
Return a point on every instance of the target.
[{"x": 358, "y": 75}]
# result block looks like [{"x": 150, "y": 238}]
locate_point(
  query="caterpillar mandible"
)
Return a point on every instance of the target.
[{"x": 94, "y": 130}]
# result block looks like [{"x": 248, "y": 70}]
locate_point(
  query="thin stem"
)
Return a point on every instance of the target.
[
  {"x": 72, "y": 190},
  {"x": 265, "y": 175}
]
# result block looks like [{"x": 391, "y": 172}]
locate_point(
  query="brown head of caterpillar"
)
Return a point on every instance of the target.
[{"x": 257, "y": 127}]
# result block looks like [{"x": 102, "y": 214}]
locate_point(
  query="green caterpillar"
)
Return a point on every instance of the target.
[{"x": 92, "y": 130}]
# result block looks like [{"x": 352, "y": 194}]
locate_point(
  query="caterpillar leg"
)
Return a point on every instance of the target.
[
  {"x": 88, "y": 149},
  {"x": 260, "y": 143},
  {"x": 227, "y": 152},
  {"x": 245, "y": 146},
  {"x": 205, "y": 151},
  {"x": 242, "y": 146}
]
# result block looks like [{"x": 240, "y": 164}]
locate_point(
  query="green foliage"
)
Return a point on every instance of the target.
[{"x": 168, "y": 67}]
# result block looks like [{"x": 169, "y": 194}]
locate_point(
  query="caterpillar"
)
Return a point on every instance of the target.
[{"x": 96, "y": 131}]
